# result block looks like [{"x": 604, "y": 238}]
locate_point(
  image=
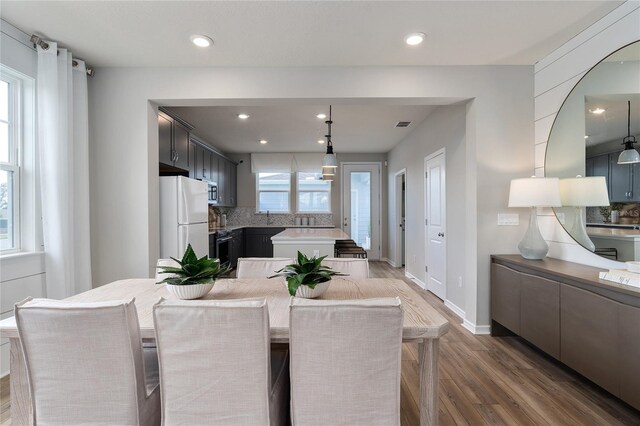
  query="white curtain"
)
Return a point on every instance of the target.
[{"x": 63, "y": 147}]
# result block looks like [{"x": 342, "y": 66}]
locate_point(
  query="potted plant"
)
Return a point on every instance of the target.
[
  {"x": 615, "y": 212},
  {"x": 307, "y": 278},
  {"x": 193, "y": 277}
]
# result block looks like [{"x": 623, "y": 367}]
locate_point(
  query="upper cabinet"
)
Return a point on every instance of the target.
[
  {"x": 211, "y": 166},
  {"x": 173, "y": 143},
  {"x": 623, "y": 180}
]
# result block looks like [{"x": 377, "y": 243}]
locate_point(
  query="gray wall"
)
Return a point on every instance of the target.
[{"x": 444, "y": 128}]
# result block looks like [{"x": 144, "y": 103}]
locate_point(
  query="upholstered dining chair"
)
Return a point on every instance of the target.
[
  {"x": 164, "y": 262},
  {"x": 345, "y": 361},
  {"x": 261, "y": 267},
  {"x": 355, "y": 268},
  {"x": 85, "y": 363},
  {"x": 216, "y": 365}
]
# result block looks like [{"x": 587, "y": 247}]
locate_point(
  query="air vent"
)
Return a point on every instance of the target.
[{"x": 403, "y": 124}]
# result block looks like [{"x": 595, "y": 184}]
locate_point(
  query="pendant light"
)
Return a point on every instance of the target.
[
  {"x": 329, "y": 162},
  {"x": 630, "y": 154}
]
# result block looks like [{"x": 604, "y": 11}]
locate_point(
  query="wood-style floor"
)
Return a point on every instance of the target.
[{"x": 488, "y": 381}]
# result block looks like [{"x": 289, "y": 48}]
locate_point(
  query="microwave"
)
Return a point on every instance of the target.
[{"x": 212, "y": 193}]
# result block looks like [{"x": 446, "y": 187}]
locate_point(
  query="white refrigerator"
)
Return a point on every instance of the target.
[{"x": 184, "y": 215}]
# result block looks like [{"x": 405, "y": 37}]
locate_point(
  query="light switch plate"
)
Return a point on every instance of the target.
[{"x": 508, "y": 219}]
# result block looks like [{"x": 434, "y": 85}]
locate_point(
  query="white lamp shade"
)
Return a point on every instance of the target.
[
  {"x": 584, "y": 191},
  {"x": 629, "y": 156},
  {"x": 534, "y": 192},
  {"x": 330, "y": 160}
]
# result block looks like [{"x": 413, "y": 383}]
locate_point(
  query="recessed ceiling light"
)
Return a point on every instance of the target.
[
  {"x": 597, "y": 111},
  {"x": 321, "y": 116},
  {"x": 243, "y": 116},
  {"x": 320, "y": 140},
  {"x": 263, "y": 141},
  {"x": 201, "y": 40},
  {"x": 414, "y": 39}
]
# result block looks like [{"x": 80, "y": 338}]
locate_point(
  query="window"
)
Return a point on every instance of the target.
[
  {"x": 10, "y": 141},
  {"x": 314, "y": 194},
  {"x": 272, "y": 192}
]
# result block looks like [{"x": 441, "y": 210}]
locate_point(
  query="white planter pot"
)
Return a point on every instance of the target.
[
  {"x": 192, "y": 291},
  {"x": 307, "y": 292}
]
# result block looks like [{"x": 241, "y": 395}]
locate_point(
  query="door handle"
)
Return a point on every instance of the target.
[{"x": 440, "y": 234}]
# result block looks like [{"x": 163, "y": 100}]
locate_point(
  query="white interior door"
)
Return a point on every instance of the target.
[
  {"x": 435, "y": 220},
  {"x": 361, "y": 205}
]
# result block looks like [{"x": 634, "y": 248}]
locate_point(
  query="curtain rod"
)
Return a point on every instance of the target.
[{"x": 37, "y": 41}]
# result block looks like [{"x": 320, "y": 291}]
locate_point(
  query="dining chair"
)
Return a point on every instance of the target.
[
  {"x": 345, "y": 361},
  {"x": 85, "y": 363},
  {"x": 355, "y": 268},
  {"x": 261, "y": 267},
  {"x": 164, "y": 262},
  {"x": 216, "y": 365}
]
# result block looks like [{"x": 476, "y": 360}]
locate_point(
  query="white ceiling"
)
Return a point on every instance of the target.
[
  {"x": 611, "y": 124},
  {"x": 295, "y": 128},
  {"x": 306, "y": 33}
]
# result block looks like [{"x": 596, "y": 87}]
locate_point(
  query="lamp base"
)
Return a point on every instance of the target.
[
  {"x": 579, "y": 231},
  {"x": 533, "y": 246}
]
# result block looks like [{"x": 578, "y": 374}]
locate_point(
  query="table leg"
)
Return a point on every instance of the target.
[
  {"x": 20, "y": 395},
  {"x": 428, "y": 351}
]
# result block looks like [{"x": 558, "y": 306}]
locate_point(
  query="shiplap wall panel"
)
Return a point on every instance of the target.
[
  {"x": 542, "y": 128},
  {"x": 606, "y": 22},
  {"x": 17, "y": 290},
  {"x": 554, "y": 78},
  {"x": 547, "y": 103}
]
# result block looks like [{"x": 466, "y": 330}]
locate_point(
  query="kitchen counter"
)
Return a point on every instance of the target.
[
  {"x": 234, "y": 227},
  {"x": 310, "y": 241},
  {"x": 310, "y": 234},
  {"x": 617, "y": 233}
]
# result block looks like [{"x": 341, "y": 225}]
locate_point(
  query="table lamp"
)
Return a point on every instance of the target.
[
  {"x": 581, "y": 192},
  {"x": 534, "y": 192}
]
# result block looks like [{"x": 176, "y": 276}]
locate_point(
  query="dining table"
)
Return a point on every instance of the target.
[{"x": 422, "y": 323}]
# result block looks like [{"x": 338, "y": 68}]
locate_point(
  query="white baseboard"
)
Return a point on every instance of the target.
[
  {"x": 476, "y": 329},
  {"x": 455, "y": 309},
  {"x": 390, "y": 262},
  {"x": 414, "y": 279}
]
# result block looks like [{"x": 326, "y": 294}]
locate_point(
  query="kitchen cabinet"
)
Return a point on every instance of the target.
[
  {"x": 206, "y": 164},
  {"x": 621, "y": 176},
  {"x": 257, "y": 241},
  {"x": 203, "y": 163},
  {"x": 568, "y": 312},
  {"x": 173, "y": 141},
  {"x": 236, "y": 247}
]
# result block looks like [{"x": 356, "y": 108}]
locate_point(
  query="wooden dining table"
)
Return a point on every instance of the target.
[{"x": 422, "y": 323}]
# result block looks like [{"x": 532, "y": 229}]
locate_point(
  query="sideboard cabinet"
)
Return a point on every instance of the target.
[{"x": 564, "y": 309}]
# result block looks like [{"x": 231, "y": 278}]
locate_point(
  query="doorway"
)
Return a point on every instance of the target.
[
  {"x": 435, "y": 223},
  {"x": 361, "y": 195},
  {"x": 400, "y": 218}
]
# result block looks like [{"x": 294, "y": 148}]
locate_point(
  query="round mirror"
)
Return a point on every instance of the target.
[{"x": 591, "y": 149}]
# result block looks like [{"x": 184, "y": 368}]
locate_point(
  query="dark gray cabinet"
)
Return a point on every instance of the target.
[
  {"x": 236, "y": 246},
  {"x": 540, "y": 313},
  {"x": 173, "y": 142},
  {"x": 257, "y": 241},
  {"x": 589, "y": 335},
  {"x": 564, "y": 309},
  {"x": 206, "y": 164},
  {"x": 621, "y": 177}
]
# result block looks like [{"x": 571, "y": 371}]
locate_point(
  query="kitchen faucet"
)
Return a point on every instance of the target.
[{"x": 267, "y": 217}]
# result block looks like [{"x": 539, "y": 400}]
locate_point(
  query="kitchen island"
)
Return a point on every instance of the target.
[
  {"x": 625, "y": 240},
  {"x": 310, "y": 241}
]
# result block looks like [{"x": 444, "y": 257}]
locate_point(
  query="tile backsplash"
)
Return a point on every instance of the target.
[
  {"x": 629, "y": 213},
  {"x": 247, "y": 216}
]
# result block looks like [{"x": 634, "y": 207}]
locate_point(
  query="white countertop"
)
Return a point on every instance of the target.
[
  {"x": 310, "y": 234},
  {"x": 614, "y": 233},
  {"x": 233, "y": 227}
]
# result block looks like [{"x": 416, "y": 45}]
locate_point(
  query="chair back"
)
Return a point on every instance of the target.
[
  {"x": 164, "y": 262},
  {"x": 84, "y": 361},
  {"x": 214, "y": 361},
  {"x": 345, "y": 361},
  {"x": 355, "y": 268},
  {"x": 261, "y": 267}
]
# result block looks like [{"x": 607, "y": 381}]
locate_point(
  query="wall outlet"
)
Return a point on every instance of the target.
[
  {"x": 508, "y": 219},
  {"x": 460, "y": 282},
  {"x": 316, "y": 253}
]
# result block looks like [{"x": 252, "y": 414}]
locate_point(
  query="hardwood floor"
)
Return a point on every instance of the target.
[{"x": 488, "y": 380}]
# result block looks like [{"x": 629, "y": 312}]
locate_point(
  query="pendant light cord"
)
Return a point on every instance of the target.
[{"x": 629, "y": 119}]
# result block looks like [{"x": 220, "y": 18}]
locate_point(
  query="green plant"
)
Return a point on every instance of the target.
[
  {"x": 193, "y": 270},
  {"x": 617, "y": 206},
  {"x": 307, "y": 271}
]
